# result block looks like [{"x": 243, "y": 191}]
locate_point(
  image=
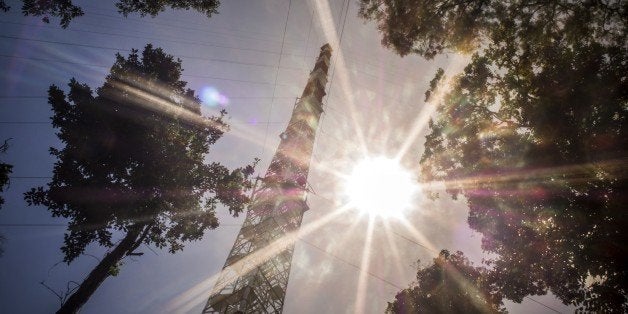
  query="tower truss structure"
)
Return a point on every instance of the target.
[{"x": 255, "y": 276}]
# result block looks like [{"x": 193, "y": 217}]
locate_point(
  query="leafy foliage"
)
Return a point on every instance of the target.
[
  {"x": 134, "y": 156},
  {"x": 5, "y": 170},
  {"x": 543, "y": 173},
  {"x": 134, "y": 162},
  {"x": 532, "y": 134},
  {"x": 4, "y": 7},
  {"x": 152, "y": 7},
  {"x": 66, "y": 10},
  {"x": 63, "y": 9},
  {"x": 450, "y": 285},
  {"x": 429, "y": 28}
]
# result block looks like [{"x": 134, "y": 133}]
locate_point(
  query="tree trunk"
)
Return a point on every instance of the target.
[{"x": 98, "y": 275}]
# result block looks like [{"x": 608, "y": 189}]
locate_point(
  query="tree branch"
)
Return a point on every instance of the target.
[{"x": 140, "y": 239}]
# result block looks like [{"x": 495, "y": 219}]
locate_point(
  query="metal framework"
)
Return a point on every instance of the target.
[{"x": 255, "y": 277}]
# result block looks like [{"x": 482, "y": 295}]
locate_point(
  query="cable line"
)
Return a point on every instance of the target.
[
  {"x": 176, "y": 20},
  {"x": 235, "y": 97},
  {"x": 387, "y": 281},
  {"x": 352, "y": 264},
  {"x": 207, "y": 44},
  {"x": 182, "y": 27},
  {"x": 32, "y": 225},
  {"x": 25, "y": 122},
  {"x": 307, "y": 41},
  {"x": 50, "y": 122},
  {"x": 197, "y": 43},
  {"x": 129, "y": 50},
  {"x": 272, "y": 102},
  {"x": 411, "y": 241},
  {"x": 107, "y": 66},
  {"x": 543, "y": 304},
  {"x": 333, "y": 72},
  {"x": 65, "y": 225}
]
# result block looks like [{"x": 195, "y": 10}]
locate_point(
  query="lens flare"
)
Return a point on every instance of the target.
[
  {"x": 210, "y": 96},
  {"x": 380, "y": 187}
]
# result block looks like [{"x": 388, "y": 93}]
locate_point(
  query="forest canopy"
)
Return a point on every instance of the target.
[
  {"x": 532, "y": 134},
  {"x": 66, "y": 10},
  {"x": 451, "y": 284}
]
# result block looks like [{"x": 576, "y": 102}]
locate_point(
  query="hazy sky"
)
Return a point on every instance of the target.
[{"x": 375, "y": 105}]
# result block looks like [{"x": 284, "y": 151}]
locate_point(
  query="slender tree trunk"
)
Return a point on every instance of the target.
[{"x": 98, "y": 275}]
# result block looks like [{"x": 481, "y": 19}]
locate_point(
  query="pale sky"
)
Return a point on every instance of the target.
[{"x": 375, "y": 108}]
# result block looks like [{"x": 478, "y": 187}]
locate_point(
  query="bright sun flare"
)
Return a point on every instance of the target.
[{"x": 380, "y": 186}]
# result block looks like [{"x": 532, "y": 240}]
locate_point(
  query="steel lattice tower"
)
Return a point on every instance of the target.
[{"x": 252, "y": 281}]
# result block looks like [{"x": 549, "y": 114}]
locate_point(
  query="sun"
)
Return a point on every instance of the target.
[{"x": 380, "y": 187}]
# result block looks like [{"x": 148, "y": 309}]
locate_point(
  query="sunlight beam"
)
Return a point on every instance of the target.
[
  {"x": 361, "y": 291},
  {"x": 579, "y": 173},
  {"x": 394, "y": 249},
  {"x": 330, "y": 31},
  {"x": 419, "y": 238},
  {"x": 190, "y": 298},
  {"x": 429, "y": 108}
]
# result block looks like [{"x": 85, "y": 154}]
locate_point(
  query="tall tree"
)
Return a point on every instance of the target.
[
  {"x": 543, "y": 172},
  {"x": 450, "y": 285},
  {"x": 5, "y": 171},
  {"x": 532, "y": 134},
  {"x": 66, "y": 10},
  {"x": 134, "y": 165}
]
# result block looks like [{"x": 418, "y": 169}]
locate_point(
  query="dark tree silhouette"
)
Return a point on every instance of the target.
[
  {"x": 133, "y": 165},
  {"x": 450, "y": 285},
  {"x": 4, "y": 7},
  {"x": 532, "y": 134},
  {"x": 541, "y": 160},
  {"x": 63, "y": 9},
  {"x": 2, "y": 240},
  {"x": 5, "y": 171},
  {"x": 66, "y": 10},
  {"x": 428, "y": 28},
  {"x": 152, "y": 7}
]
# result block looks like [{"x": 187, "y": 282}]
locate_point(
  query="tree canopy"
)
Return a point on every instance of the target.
[
  {"x": 451, "y": 284},
  {"x": 152, "y": 8},
  {"x": 133, "y": 162},
  {"x": 5, "y": 171},
  {"x": 532, "y": 134},
  {"x": 429, "y": 28},
  {"x": 66, "y": 10}
]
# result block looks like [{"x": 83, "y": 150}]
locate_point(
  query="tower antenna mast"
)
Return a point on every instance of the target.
[{"x": 256, "y": 283}]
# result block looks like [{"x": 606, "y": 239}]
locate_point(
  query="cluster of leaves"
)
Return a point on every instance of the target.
[
  {"x": 152, "y": 8},
  {"x": 63, "y": 9},
  {"x": 5, "y": 171},
  {"x": 429, "y": 28},
  {"x": 532, "y": 134},
  {"x": 134, "y": 158},
  {"x": 66, "y": 10},
  {"x": 4, "y": 6},
  {"x": 451, "y": 284},
  {"x": 544, "y": 179}
]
